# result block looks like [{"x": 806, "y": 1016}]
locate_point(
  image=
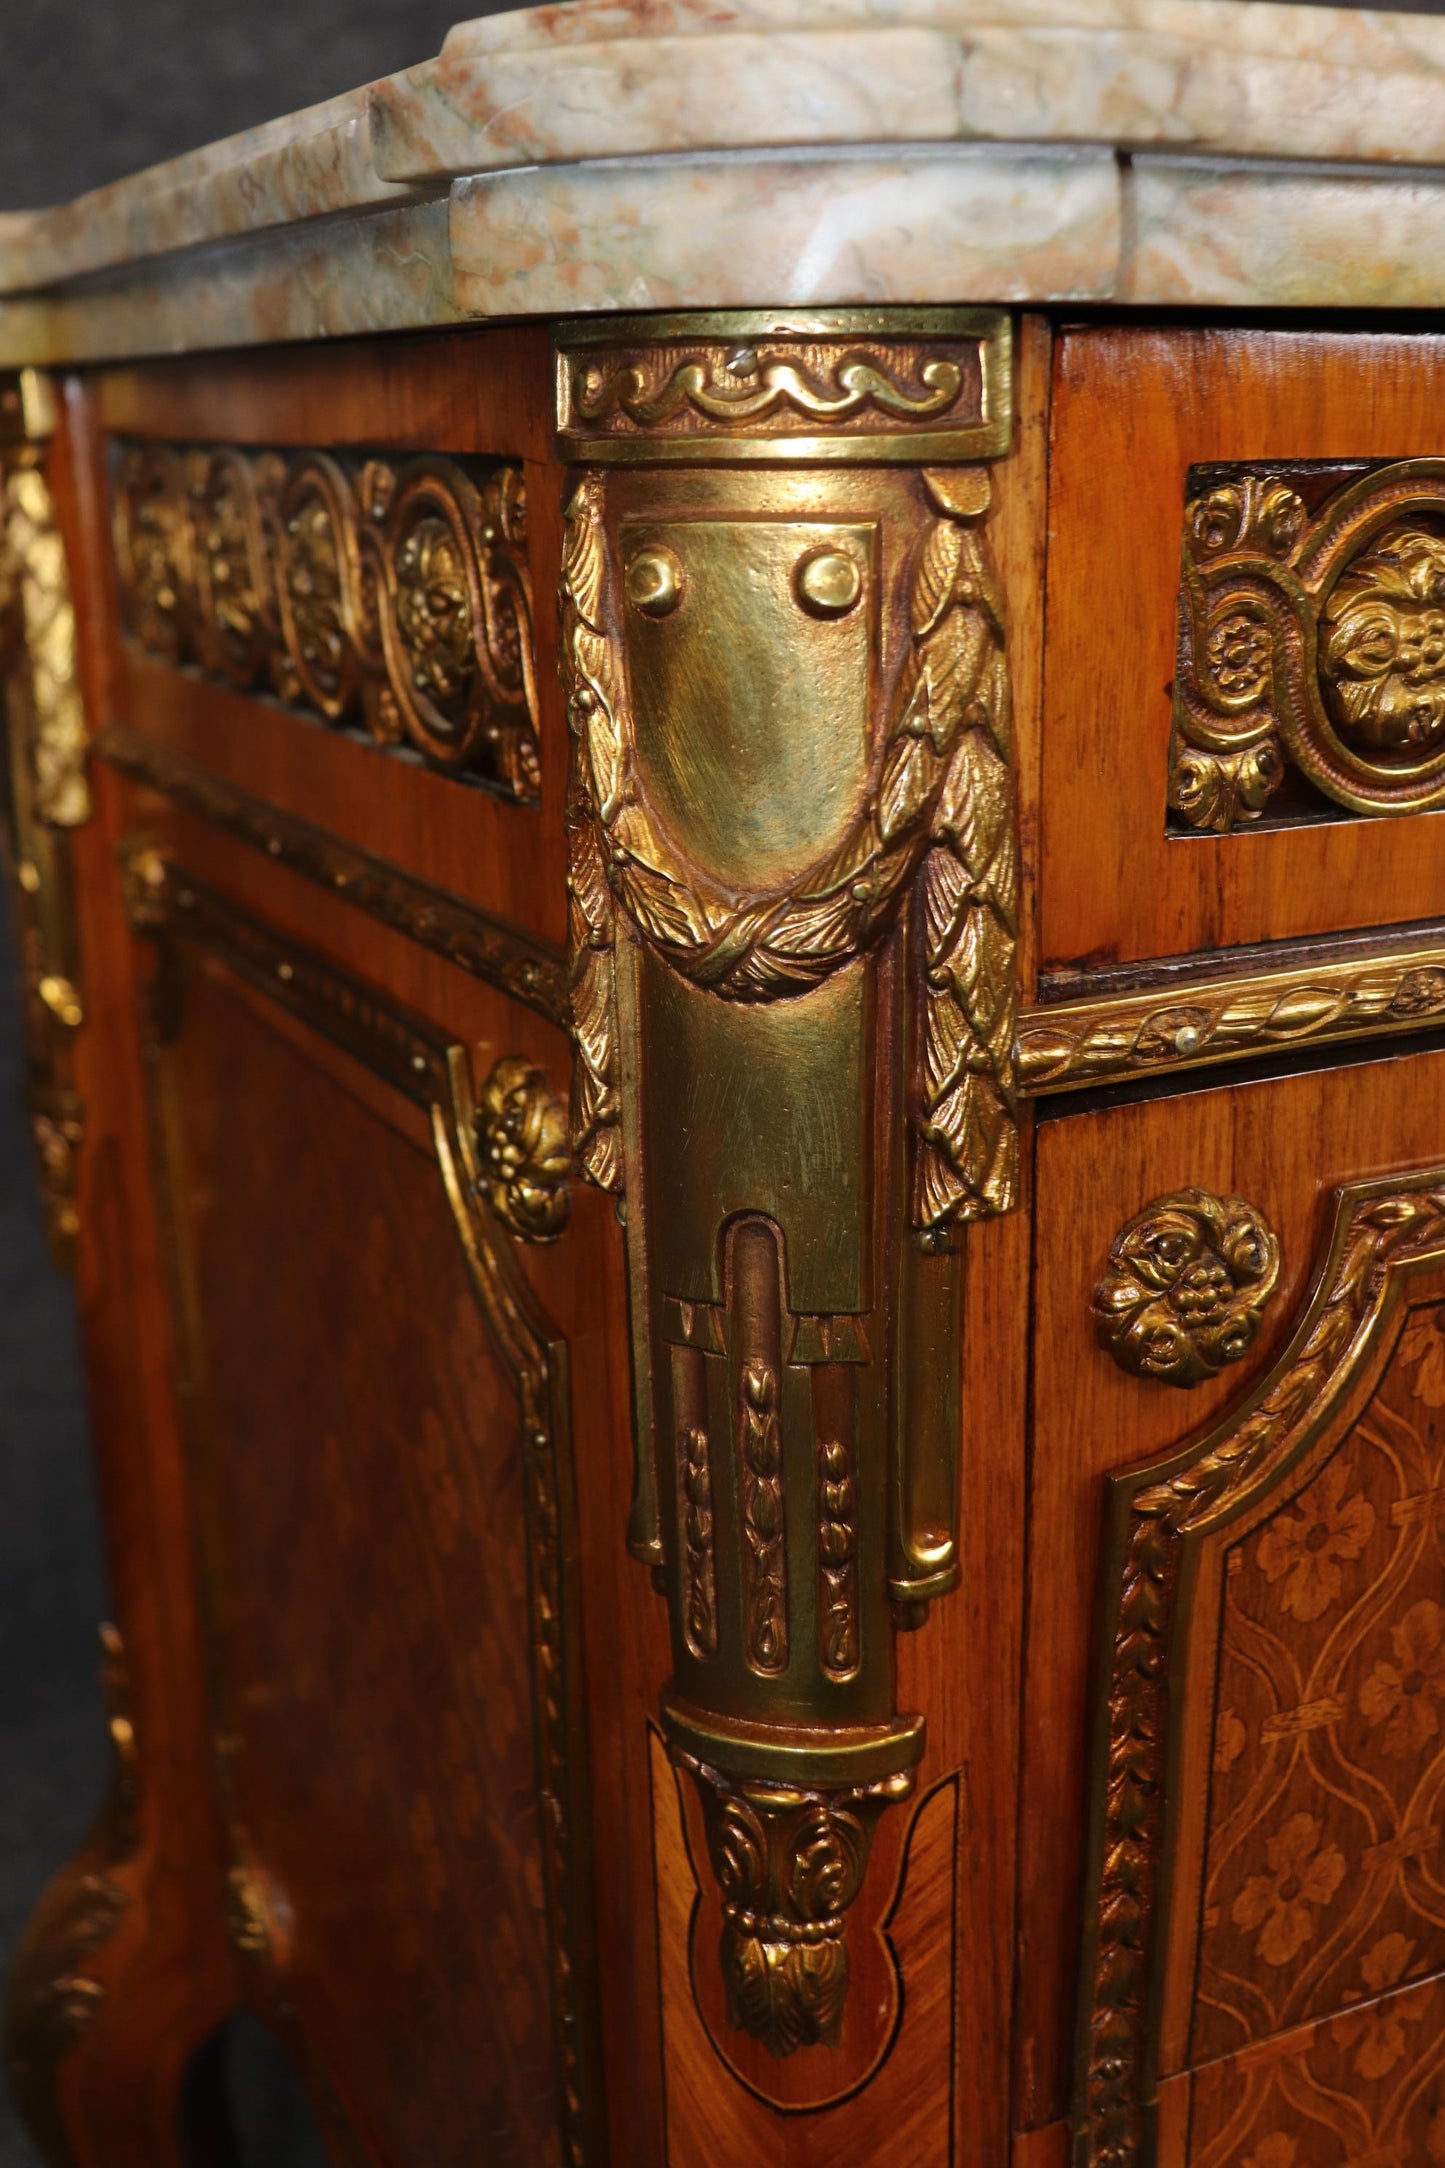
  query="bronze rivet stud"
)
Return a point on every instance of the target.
[
  {"x": 829, "y": 582},
  {"x": 654, "y": 581}
]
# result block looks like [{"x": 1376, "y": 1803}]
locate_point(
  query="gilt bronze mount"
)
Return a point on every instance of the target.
[
  {"x": 44, "y": 789},
  {"x": 1186, "y": 1287},
  {"x": 792, "y": 869},
  {"x": 1311, "y": 640}
]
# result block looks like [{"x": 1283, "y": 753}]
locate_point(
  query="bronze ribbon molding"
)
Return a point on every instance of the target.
[{"x": 792, "y": 870}]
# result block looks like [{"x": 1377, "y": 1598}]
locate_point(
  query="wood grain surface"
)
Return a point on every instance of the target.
[
  {"x": 1133, "y": 409},
  {"x": 1283, "y": 1145}
]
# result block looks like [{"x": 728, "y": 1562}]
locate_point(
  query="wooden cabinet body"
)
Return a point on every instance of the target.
[{"x": 400, "y": 1766}]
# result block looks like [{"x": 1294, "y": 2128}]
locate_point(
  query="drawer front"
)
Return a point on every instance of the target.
[
  {"x": 332, "y": 586},
  {"x": 1244, "y": 734}
]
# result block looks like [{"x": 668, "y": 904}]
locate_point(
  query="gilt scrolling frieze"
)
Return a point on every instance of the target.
[
  {"x": 792, "y": 874},
  {"x": 390, "y": 592}
]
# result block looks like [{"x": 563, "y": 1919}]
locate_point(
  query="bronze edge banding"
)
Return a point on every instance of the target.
[
  {"x": 517, "y": 963},
  {"x": 1161, "y": 1030}
]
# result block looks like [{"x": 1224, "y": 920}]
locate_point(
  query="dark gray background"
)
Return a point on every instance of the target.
[{"x": 91, "y": 90}]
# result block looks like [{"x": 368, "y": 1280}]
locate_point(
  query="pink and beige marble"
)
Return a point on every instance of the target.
[
  {"x": 331, "y": 280},
  {"x": 289, "y": 171},
  {"x": 1284, "y": 238},
  {"x": 693, "y": 153},
  {"x": 735, "y": 232},
  {"x": 596, "y": 79}
]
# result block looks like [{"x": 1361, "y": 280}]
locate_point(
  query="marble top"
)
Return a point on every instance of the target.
[{"x": 634, "y": 154}]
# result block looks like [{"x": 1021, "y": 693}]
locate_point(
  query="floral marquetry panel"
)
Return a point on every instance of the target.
[
  {"x": 1324, "y": 1886},
  {"x": 1368, "y": 2085},
  {"x": 1269, "y": 1751}
]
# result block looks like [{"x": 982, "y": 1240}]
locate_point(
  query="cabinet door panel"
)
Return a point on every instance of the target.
[
  {"x": 381, "y": 1466},
  {"x": 1285, "y": 1145},
  {"x": 1263, "y": 1884}
]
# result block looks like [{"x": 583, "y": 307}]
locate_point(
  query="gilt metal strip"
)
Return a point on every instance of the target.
[
  {"x": 523, "y": 965},
  {"x": 792, "y": 871},
  {"x": 1187, "y": 1023}
]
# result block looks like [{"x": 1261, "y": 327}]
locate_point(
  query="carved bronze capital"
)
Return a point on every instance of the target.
[
  {"x": 792, "y": 878},
  {"x": 789, "y": 1861}
]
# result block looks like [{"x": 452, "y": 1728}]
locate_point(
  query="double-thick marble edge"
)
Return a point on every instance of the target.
[{"x": 659, "y": 154}]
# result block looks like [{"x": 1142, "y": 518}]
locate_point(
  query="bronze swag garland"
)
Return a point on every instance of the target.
[{"x": 941, "y": 812}]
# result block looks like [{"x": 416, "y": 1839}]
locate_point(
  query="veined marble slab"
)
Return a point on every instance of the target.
[
  {"x": 751, "y": 230},
  {"x": 693, "y": 153}
]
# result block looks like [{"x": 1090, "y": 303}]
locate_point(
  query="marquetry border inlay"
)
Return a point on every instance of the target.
[{"x": 518, "y": 963}]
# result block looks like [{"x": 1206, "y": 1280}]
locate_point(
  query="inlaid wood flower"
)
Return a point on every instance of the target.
[
  {"x": 1423, "y": 1344},
  {"x": 1230, "y": 1740},
  {"x": 1303, "y": 1877},
  {"x": 1278, "y": 2150},
  {"x": 1305, "y": 1550},
  {"x": 1405, "y": 1695},
  {"x": 1377, "y": 2032}
]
